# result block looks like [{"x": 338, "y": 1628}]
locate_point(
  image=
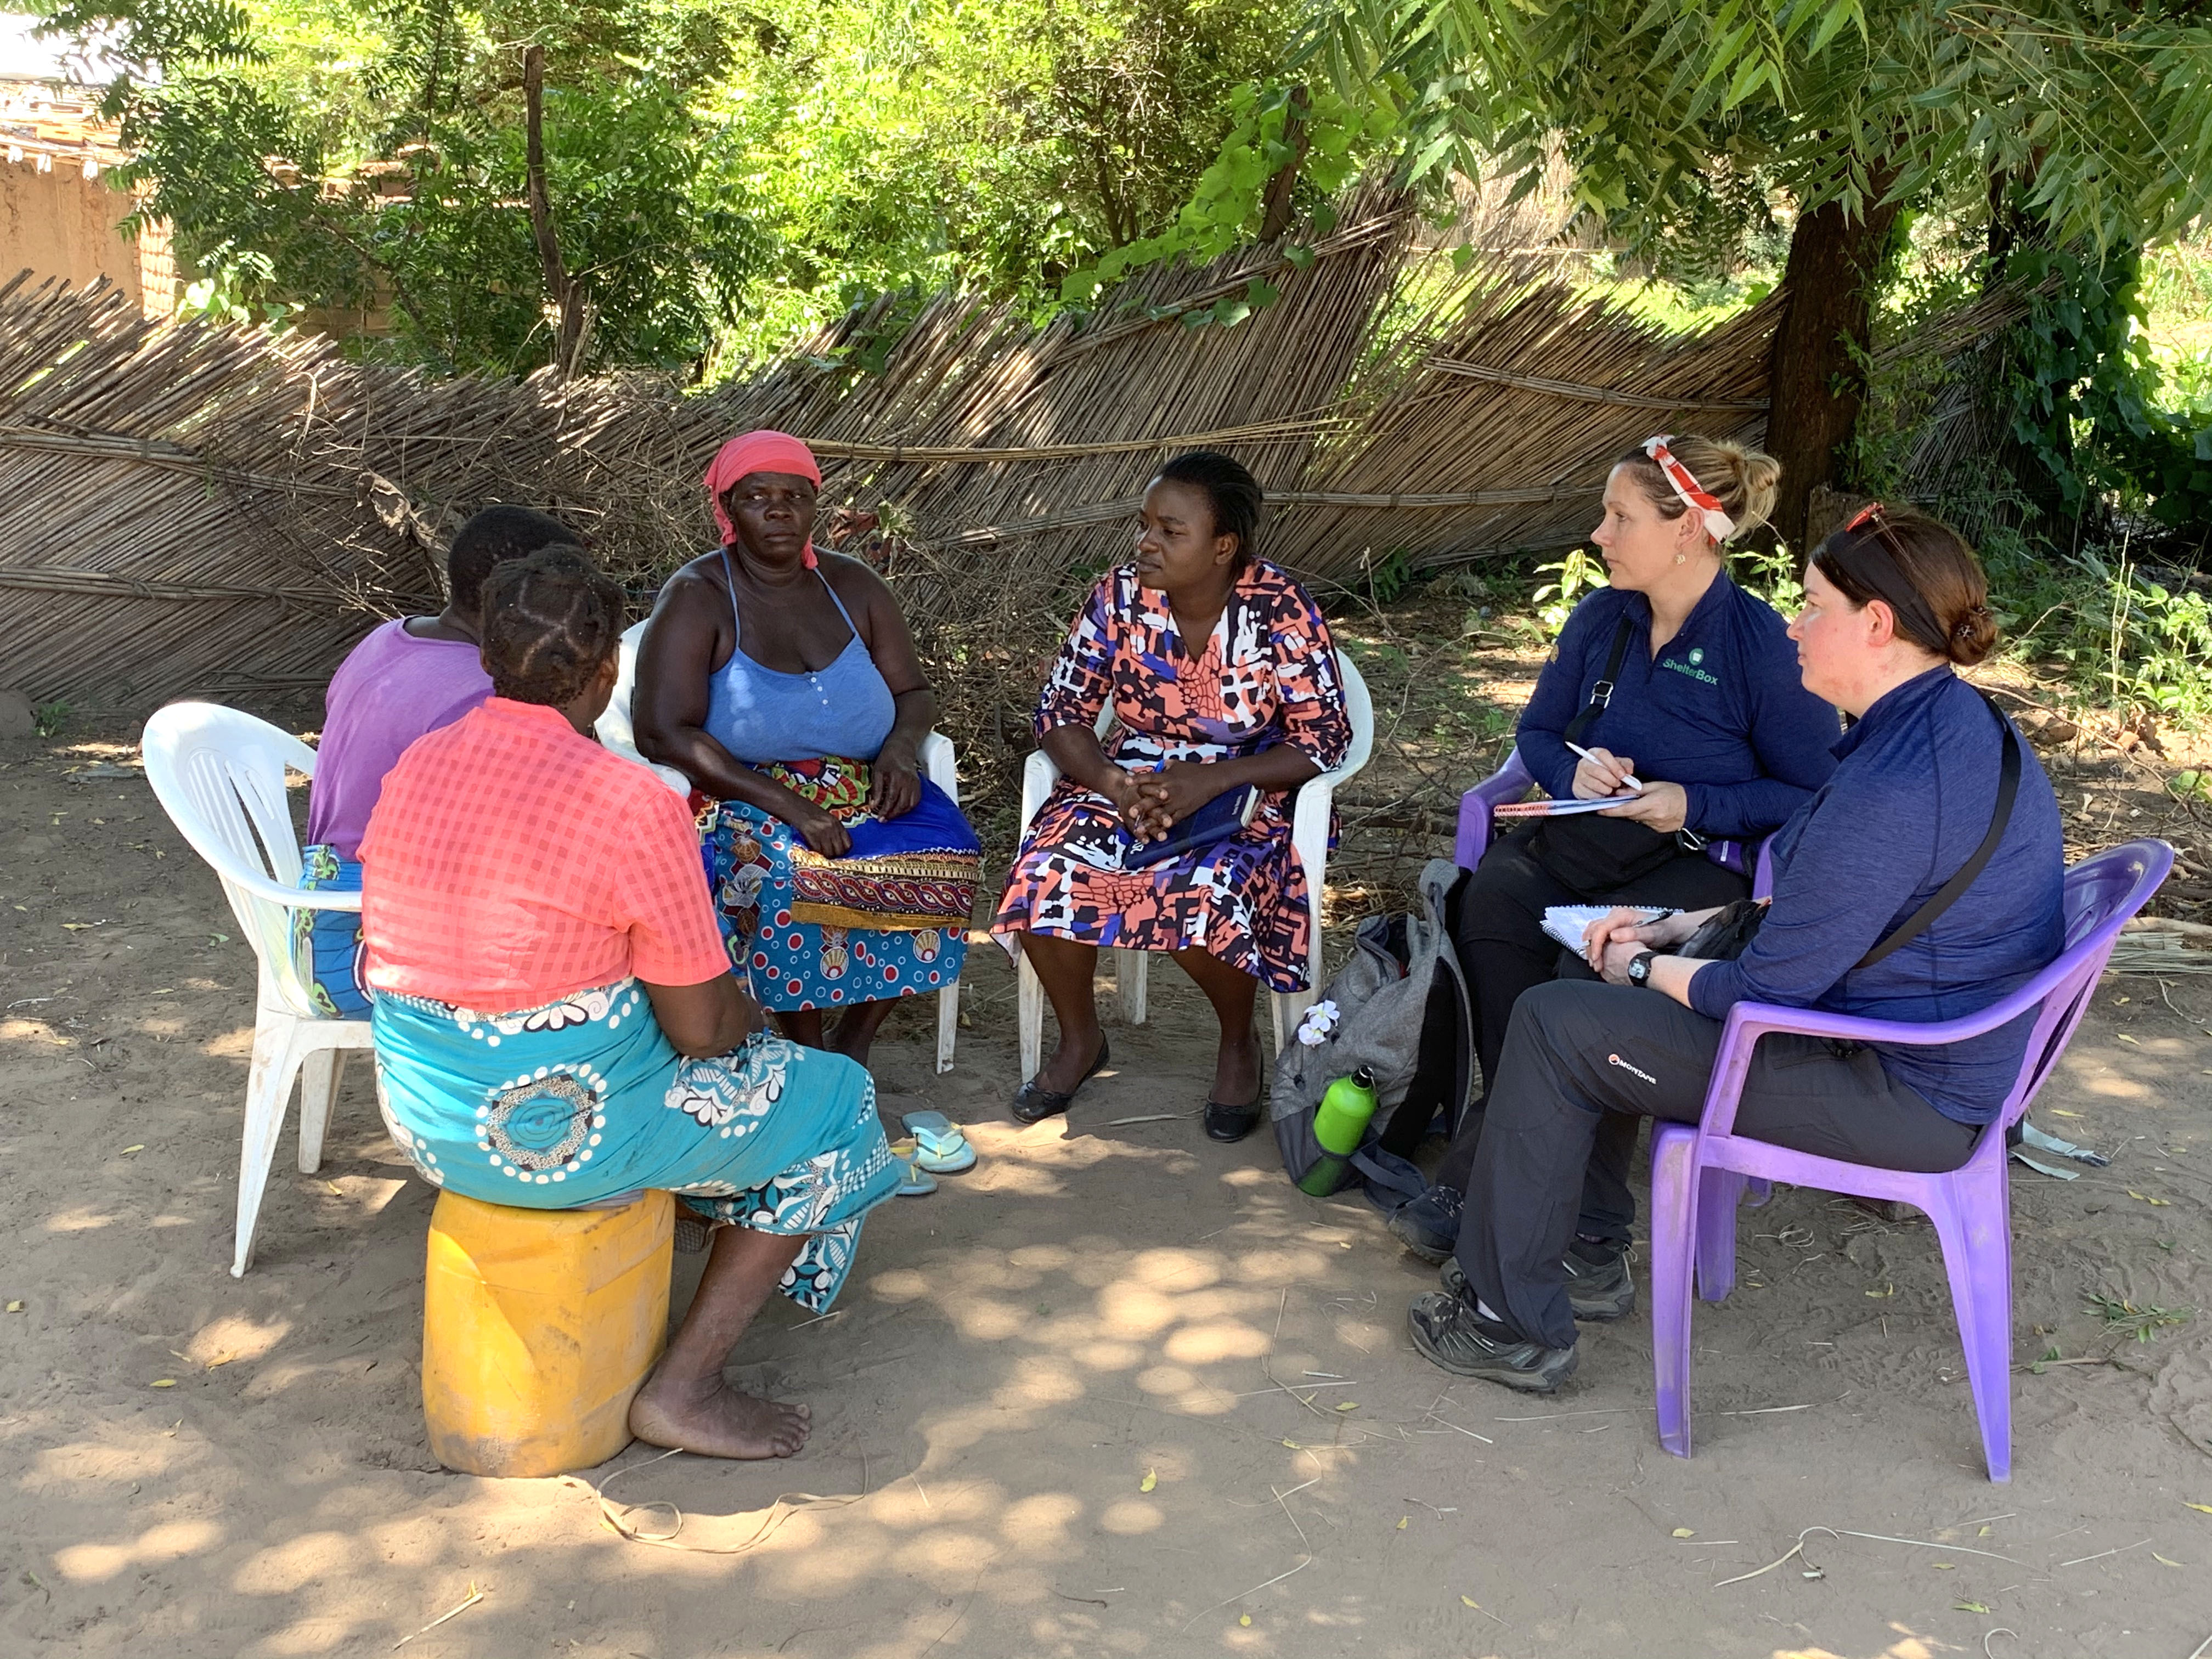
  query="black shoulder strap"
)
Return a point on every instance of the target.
[
  {"x": 1602, "y": 693},
  {"x": 1947, "y": 895}
]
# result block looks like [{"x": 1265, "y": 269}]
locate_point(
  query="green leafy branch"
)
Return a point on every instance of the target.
[{"x": 1226, "y": 207}]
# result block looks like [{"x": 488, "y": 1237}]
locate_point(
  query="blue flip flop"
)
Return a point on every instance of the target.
[
  {"x": 939, "y": 1147},
  {"x": 913, "y": 1181}
]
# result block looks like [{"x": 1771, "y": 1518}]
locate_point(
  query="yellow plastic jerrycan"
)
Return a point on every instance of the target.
[{"x": 537, "y": 1327}]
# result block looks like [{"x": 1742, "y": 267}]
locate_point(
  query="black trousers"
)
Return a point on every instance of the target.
[
  {"x": 1504, "y": 951},
  {"x": 1586, "y": 1063}
]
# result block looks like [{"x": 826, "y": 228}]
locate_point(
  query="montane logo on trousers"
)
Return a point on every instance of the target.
[{"x": 1633, "y": 1070}]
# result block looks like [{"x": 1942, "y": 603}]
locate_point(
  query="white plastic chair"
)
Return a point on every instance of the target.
[
  {"x": 219, "y": 775},
  {"x": 1309, "y": 834},
  {"x": 617, "y": 737}
]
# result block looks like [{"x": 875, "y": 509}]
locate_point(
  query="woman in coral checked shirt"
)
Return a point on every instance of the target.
[{"x": 555, "y": 1018}]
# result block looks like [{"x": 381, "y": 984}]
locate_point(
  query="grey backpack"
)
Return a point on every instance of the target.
[{"x": 1402, "y": 1012}]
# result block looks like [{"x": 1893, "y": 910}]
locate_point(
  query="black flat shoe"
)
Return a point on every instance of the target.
[
  {"x": 1229, "y": 1124},
  {"x": 1034, "y": 1104}
]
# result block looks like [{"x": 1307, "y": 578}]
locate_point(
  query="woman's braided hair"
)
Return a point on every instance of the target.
[{"x": 550, "y": 621}]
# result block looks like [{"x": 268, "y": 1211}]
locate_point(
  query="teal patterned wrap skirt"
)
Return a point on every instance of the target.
[{"x": 584, "y": 1099}]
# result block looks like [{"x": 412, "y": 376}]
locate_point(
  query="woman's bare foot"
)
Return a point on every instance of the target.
[
  {"x": 717, "y": 1421},
  {"x": 685, "y": 1402}
]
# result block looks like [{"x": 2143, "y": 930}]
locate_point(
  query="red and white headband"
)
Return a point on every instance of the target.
[{"x": 1718, "y": 525}]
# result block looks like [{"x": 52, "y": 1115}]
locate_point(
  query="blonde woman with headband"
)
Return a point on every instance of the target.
[{"x": 1676, "y": 692}]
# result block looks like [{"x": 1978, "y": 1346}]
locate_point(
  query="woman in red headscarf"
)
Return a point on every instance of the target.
[{"x": 783, "y": 683}]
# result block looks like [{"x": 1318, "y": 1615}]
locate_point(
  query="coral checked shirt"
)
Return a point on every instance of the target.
[{"x": 510, "y": 861}]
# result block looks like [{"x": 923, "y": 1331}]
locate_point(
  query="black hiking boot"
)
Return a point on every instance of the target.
[
  {"x": 1595, "y": 1292},
  {"x": 1428, "y": 1225},
  {"x": 1598, "y": 1283},
  {"x": 1451, "y": 1335}
]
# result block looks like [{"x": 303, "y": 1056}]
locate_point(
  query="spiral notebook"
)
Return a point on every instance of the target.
[
  {"x": 1556, "y": 809},
  {"x": 1567, "y": 922}
]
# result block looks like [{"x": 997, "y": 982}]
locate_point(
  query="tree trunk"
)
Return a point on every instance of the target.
[
  {"x": 565, "y": 295},
  {"x": 1815, "y": 383}
]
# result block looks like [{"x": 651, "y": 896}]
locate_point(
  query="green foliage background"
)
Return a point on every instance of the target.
[{"x": 726, "y": 175}]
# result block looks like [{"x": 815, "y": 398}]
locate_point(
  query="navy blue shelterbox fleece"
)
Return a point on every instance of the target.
[
  {"x": 1720, "y": 710},
  {"x": 1911, "y": 798}
]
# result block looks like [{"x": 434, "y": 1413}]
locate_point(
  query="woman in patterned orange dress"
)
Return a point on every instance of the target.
[{"x": 1221, "y": 673}]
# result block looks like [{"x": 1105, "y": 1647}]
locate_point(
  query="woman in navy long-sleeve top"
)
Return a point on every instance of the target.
[
  {"x": 1706, "y": 711},
  {"x": 1891, "y": 604},
  {"x": 1713, "y": 719}
]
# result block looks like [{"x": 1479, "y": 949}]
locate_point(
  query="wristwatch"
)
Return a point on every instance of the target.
[{"x": 1639, "y": 969}]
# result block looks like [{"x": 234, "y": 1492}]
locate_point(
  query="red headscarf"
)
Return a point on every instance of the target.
[{"x": 763, "y": 451}]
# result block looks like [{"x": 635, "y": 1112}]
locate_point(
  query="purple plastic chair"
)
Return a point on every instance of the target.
[
  {"x": 1509, "y": 783},
  {"x": 1697, "y": 1174}
]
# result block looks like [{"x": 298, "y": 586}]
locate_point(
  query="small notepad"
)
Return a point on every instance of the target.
[
  {"x": 1568, "y": 922},
  {"x": 1556, "y": 809}
]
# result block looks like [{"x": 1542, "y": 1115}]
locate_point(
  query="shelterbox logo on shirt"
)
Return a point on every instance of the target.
[{"x": 1696, "y": 655}]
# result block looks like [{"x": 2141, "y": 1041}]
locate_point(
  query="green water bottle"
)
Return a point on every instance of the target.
[{"x": 1339, "y": 1124}]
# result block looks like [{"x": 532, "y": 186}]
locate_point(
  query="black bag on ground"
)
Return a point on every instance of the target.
[{"x": 1402, "y": 1012}]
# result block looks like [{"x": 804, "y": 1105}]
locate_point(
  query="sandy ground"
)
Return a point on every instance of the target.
[{"x": 1046, "y": 1417}]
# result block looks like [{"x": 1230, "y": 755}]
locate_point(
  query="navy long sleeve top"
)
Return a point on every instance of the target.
[
  {"x": 1720, "y": 709},
  {"x": 1913, "y": 796}
]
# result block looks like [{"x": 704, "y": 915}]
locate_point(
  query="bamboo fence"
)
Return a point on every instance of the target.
[{"x": 200, "y": 510}]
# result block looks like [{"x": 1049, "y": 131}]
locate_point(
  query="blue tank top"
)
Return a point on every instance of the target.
[{"x": 762, "y": 714}]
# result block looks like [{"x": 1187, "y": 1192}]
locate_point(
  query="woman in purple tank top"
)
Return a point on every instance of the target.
[
  {"x": 409, "y": 677},
  {"x": 784, "y": 684}
]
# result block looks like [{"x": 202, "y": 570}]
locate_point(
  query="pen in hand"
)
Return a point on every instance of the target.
[{"x": 1626, "y": 780}]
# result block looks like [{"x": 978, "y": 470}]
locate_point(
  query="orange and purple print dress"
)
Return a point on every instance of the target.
[{"x": 1267, "y": 676}]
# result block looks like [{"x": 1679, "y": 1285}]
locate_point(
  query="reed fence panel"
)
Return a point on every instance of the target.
[{"x": 187, "y": 509}]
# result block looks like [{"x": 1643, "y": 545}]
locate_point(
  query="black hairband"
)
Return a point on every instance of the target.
[{"x": 1890, "y": 584}]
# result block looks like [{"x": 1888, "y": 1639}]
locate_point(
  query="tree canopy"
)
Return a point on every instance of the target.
[
  {"x": 709, "y": 179},
  {"x": 2084, "y": 125},
  {"x": 1660, "y": 106},
  {"x": 716, "y": 170}
]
